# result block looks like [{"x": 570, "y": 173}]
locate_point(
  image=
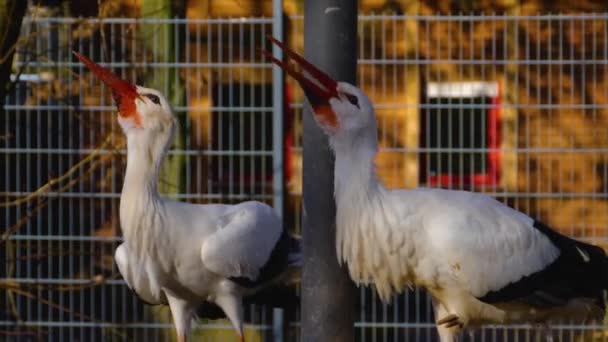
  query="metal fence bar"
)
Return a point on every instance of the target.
[
  {"x": 278, "y": 108},
  {"x": 278, "y": 166}
]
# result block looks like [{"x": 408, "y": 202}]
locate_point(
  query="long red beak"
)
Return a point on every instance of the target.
[
  {"x": 319, "y": 88},
  {"x": 124, "y": 92}
]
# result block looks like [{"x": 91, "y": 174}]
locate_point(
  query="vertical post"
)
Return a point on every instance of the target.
[
  {"x": 165, "y": 41},
  {"x": 278, "y": 107},
  {"x": 330, "y": 40},
  {"x": 278, "y": 142},
  {"x": 277, "y": 324}
]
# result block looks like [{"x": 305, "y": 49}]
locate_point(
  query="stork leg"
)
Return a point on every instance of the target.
[
  {"x": 233, "y": 308},
  {"x": 448, "y": 325},
  {"x": 182, "y": 316}
]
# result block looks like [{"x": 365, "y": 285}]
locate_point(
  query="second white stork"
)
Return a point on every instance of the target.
[
  {"x": 181, "y": 254},
  {"x": 480, "y": 260}
]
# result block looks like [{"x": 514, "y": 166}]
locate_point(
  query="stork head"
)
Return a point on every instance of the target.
[
  {"x": 352, "y": 109},
  {"x": 339, "y": 108},
  {"x": 139, "y": 109}
]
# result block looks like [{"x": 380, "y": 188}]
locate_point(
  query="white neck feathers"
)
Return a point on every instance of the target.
[
  {"x": 366, "y": 220},
  {"x": 141, "y": 207}
]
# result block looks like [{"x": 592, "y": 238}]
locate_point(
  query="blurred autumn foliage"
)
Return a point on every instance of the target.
[{"x": 553, "y": 74}]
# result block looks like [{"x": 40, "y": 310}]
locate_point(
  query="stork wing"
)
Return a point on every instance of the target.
[
  {"x": 243, "y": 242},
  {"x": 499, "y": 254},
  {"x": 479, "y": 243}
]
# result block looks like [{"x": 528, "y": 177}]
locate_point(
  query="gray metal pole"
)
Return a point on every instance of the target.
[
  {"x": 330, "y": 41},
  {"x": 278, "y": 184}
]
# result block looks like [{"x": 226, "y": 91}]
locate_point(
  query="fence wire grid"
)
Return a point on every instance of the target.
[{"x": 513, "y": 106}]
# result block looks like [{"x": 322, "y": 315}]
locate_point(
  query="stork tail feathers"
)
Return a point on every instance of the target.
[{"x": 286, "y": 255}]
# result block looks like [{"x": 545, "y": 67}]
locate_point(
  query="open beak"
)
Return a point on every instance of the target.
[
  {"x": 318, "y": 86},
  {"x": 124, "y": 92}
]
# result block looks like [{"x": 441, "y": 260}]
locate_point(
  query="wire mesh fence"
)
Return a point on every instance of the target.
[
  {"x": 514, "y": 106},
  {"x": 64, "y": 157}
]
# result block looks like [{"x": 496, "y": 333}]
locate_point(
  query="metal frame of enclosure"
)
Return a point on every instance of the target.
[{"x": 514, "y": 106}]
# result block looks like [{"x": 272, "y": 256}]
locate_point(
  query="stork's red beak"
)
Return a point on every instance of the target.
[
  {"x": 319, "y": 88},
  {"x": 124, "y": 92}
]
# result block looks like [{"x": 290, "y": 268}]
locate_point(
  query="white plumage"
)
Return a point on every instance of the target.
[
  {"x": 181, "y": 254},
  {"x": 482, "y": 226},
  {"x": 251, "y": 231},
  {"x": 480, "y": 260},
  {"x": 388, "y": 237}
]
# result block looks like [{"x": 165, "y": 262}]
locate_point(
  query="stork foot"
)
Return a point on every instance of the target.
[{"x": 451, "y": 320}]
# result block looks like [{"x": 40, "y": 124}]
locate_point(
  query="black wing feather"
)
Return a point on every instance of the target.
[{"x": 581, "y": 270}]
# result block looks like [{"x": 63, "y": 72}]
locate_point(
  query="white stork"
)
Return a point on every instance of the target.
[
  {"x": 181, "y": 254},
  {"x": 480, "y": 260}
]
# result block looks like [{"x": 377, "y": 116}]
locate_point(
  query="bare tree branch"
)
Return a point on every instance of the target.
[
  {"x": 18, "y": 290},
  {"x": 48, "y": 185}
]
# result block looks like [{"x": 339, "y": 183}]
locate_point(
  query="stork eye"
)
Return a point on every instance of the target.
[
  {"x": 352, "y": 99},
  {"x": 153, "y": 98}
]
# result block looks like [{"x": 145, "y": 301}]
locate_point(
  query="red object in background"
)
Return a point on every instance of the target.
[{"x": 491, "y": 175}]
